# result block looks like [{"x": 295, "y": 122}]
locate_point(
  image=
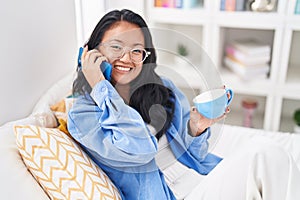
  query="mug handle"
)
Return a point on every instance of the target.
[{"x": 231, "y": 95}]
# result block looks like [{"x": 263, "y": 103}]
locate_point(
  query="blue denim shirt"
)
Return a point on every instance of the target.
[{"x": 115, "y": 136}]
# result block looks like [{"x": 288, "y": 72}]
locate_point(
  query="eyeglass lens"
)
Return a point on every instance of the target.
[{"x": 137, "y": 55}]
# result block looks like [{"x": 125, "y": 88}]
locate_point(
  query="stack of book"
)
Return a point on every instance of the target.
[
  {"x": 249, "y": 59},
  {"x": 176, "y": 3}
]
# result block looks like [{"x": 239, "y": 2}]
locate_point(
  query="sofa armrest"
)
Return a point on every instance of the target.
[
  {"x": 234, "y": 137},
  {"x": 54, "y": 94}
]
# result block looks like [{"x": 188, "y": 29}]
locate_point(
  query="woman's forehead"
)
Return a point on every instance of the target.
[{"x": 124, "y": 32}]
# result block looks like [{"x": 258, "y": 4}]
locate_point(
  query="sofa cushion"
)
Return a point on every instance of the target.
[
  {"x": 61, "y": 110},
  {"x": 60, "y": 166}
]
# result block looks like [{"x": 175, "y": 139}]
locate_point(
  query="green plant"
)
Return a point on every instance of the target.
[
  {"x": 297, "y": 116},
  {"x": 182, "y": 50}
]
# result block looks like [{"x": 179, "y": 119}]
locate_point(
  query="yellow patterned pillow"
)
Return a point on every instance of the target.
[{"x": 60, "y": 166}]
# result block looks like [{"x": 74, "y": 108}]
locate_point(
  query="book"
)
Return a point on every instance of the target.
[
  {"x": 223, "y": 5},
  {"x": 158, "y": 3},
  {"x": 230, "y": 5},
  {"x": 178, "y": 3},
  {"x": 246, "y": 59},
  {"x": 164, "y": 3},
  {"x": 297, "y": 7},
  {"x": 246, "y": 72},
  {"x": 240, "y": 5},
  {"x": 252, "y": 47},
  {"x": 168, "y": 4}
]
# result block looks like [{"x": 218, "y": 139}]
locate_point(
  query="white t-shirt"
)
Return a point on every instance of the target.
[{"x": 181, "y": 179}]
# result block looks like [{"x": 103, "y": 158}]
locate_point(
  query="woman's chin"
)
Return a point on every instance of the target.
[{"x": 121, "y": 80}]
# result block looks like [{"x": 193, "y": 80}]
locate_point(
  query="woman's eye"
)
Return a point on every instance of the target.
[
  {"x": 137, "y": 51},
  {"x": 116, "y": 47}
]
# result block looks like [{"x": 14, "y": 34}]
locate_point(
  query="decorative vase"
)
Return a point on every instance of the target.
[{"x": 249, "y": 107}]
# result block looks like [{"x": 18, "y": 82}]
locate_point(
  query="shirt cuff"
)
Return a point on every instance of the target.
[{"x": 200, "y": 138}]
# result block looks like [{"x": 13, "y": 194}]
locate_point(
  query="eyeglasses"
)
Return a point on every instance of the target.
[{"x": 117, "y": 51}]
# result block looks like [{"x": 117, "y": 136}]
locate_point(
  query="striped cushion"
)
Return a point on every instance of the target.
[{"x": 60, "y": 166}]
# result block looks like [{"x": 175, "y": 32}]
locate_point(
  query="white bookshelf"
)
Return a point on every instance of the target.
[
  {"x": 280, "y": 91},
  {"x": 278, "y": 95}
]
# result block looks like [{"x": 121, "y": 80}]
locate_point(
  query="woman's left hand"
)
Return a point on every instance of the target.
[{"x": 198, "y": 123}]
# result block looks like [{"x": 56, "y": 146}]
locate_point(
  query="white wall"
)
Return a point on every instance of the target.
[
  {"x": 137, "y": 6},
  {"x": 89, "y": 12},
  {"x": 38, "y": 47},
  {"x": 39, "y": 41}
]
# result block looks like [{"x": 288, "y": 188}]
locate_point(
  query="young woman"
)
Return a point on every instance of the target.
[{"x": 138, "y": 127}]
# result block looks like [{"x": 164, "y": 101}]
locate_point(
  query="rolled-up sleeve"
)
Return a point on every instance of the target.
[{"x": 110, "y": 130}]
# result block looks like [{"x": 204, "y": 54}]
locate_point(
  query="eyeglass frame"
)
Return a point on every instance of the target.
[{"x": 146, "y": 53}]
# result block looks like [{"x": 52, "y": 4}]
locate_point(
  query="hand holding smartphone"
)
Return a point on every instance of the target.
[{"x": 105, "y": 67}]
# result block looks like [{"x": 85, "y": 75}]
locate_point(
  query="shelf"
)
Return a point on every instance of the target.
[
  {"x": 179, "y": 16},
  {"x": 294, "y": 19},
  {"x": 252, "y": 87},
  {"x": 178, "y": 33},
  {"x": 257, "y": 20},
  {"x": 235, "y": 117},
  {"x": 184, "y": 76},
  {"x": 214, "y": 29},
  {"x": 196, "y": 71},
  {"x": 227, "y": 35}
]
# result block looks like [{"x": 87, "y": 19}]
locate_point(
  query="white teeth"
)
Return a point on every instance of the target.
[{"x": 126, "y": 69}]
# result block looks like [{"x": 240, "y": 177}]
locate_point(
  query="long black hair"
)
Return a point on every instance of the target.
[{"x": 148, "y": 95}]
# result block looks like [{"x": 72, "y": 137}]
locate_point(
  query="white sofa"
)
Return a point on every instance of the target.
[{"x": 17, "y": 183}]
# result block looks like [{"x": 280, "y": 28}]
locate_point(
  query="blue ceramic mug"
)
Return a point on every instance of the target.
[{"x": 213, "y": 103}]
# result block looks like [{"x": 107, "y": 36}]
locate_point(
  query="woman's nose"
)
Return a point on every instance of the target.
[{"x": 126, "y": 57}]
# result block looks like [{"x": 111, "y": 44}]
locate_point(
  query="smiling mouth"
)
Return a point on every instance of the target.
[{"x": 123, "y": 69}]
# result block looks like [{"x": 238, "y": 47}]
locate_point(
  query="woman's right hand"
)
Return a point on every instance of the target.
[{"x": 90, "y": 61}]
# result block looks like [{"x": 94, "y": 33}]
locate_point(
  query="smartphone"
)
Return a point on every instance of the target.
[{"x": 105, "y": 67}]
